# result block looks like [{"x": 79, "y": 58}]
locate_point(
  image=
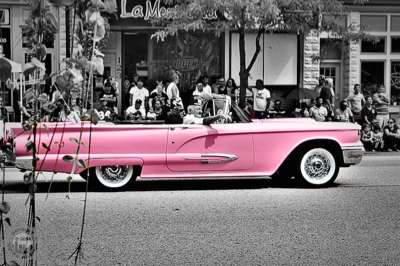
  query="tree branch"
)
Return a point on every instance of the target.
[{"x": 258, "y": 49}]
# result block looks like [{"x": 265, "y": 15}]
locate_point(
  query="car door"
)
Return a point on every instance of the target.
[{"x": 219, "y": 147}]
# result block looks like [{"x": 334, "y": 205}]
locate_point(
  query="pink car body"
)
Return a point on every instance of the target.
[{"x": 161, "y": 151}]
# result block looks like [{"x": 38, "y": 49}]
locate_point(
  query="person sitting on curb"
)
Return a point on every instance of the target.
[
  {"x": 391, "y": 136},
  {"x": 318, "y": 110},
  {"x": 343, "y": 113}
]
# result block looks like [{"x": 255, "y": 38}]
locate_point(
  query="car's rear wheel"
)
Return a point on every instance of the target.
[
  {"x": 317, "y": 167},
  {"x": 111, "y": 177}
]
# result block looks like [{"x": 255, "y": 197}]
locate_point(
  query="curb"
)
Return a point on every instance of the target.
[{"x": 382, "y": 153}]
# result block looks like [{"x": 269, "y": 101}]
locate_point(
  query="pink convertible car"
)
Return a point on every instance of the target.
[{"x": 121, "y": 153}]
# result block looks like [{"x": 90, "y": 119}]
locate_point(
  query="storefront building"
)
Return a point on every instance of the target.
[
  {"x": 370, "y": 63},
  {"x": 13, "y": 44},
  {"x": 132, "y": 51},
  {"x": 288, "y": 63}
]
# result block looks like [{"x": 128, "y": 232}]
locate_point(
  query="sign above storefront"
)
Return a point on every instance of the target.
[{"x": 154, "y": 10}]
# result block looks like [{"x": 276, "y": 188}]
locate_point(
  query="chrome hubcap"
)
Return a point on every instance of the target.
[
  {"x": 317, "y": 166},
  {"x": 114, "y": 174}
]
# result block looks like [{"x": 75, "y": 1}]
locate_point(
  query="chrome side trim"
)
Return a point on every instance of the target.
[
  {"x": 352, "y": 154},
  {"x": 213, "y": 158}
]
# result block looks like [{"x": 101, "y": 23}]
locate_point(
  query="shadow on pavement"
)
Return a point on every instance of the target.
[{"x": 170, "y": 185}]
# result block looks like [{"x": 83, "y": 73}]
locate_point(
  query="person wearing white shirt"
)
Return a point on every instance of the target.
[
  {"x": 139, "y": 92},
  {"x": 206, "y": 86},
  {"x": 172, "y": 89},
  {"x": 199, "y": 93},
  {"x": 261, "y": 100},
  {"x": 136, "y": 112}
]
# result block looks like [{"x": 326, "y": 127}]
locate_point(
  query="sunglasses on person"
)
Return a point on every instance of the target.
[{"x": 391, "y": 122}]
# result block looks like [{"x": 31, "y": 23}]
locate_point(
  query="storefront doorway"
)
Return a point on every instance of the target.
[{"x": 332, "y": 70}]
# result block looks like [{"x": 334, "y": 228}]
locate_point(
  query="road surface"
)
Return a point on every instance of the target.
[{"x": 234, "y": 222}]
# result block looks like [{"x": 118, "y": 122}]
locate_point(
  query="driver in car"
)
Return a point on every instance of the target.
[{"x": 194, "y": 113}]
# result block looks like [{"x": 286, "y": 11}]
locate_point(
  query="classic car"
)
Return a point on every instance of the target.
[{"x": 116, "y": 154}]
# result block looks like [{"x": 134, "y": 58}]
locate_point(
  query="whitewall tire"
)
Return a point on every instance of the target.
[
  {"x": 114, "y": 176},
  {"x": 318, "y": 167}
]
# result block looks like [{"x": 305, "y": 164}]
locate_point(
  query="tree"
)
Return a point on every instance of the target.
[{"x": 242, "y": 16}]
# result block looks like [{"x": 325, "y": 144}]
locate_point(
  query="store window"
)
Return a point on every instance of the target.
[
  {"x": 375, "y": 45},
  {"x": 331, "y": 49},
  {"x": 48, "y": 40},
  {"x": 396, "y": 44},
  {"x": 374, "y": 22},
  {"x": 192, "y": 54},
  {"x": 329, "y": 72},
  {"x": 395, "y": 23},
  {"x": 395, "y": 83},
  {"x": 372, "y": 75}
]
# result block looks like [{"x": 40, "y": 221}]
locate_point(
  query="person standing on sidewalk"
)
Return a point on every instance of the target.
[
  {"x": 381, "y": 103},
  {"x": 262, "y": 100},
  {"x": 368, "y": 113},
  {"x": 357, "y": 102}
]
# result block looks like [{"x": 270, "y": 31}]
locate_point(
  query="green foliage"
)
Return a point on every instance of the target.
[{"x": 271, "y": 15}]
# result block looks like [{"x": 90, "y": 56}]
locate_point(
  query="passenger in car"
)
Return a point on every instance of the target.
[{"x": 194, "y": 117}]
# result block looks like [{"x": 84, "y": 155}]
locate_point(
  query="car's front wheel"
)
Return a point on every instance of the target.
[
  {"x": 317, "y": 167},
  {"x": 111, "y": 177}
]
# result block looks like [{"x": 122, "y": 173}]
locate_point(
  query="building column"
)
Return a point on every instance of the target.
[
  {"x": 351, "y": 60},
  {"x": 311, "y": 60},
  {"x": 62, "y": 36}
]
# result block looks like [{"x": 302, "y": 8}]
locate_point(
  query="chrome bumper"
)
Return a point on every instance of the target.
[{"x": 352, "y": 154}]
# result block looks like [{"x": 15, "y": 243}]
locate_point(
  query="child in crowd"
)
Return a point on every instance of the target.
[
  {"x": 367, "y": 137},
  {"x": 377, "y": 137}
]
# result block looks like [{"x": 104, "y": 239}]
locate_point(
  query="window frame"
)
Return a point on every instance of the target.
[{"x": 388, "y": 56}]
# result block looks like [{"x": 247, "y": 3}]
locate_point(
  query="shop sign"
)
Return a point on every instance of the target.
[
  {"x": 155, "y": 10},
  {"x": 187, "y": 64}
]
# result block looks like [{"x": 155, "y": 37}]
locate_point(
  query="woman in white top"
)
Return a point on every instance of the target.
[{"x": 172, "y": 89}]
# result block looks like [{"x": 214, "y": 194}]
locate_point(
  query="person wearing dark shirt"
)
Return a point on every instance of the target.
[
  {"x": 277, "y": 110},
  {"x": 368, "y": 112},
  {"x": 159, "y": 111},
  {"x": 158, "y": 94},
  {"x": 109, "y": 95},
  {"x": 176, "y": 113},
  {"x": 391, "y": 136}
]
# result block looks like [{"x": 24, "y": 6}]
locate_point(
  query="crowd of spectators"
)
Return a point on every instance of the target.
[
  {"x": 379, "y": 132},
  {"x": 163, "y": 102}
]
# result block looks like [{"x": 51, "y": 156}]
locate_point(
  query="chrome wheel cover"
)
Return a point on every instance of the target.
[
  {"x": 318, "y": 166},
  {"x": 115, "y": 176}
]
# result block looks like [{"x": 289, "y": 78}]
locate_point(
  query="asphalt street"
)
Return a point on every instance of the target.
[{"x": 222, "y": 222}]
